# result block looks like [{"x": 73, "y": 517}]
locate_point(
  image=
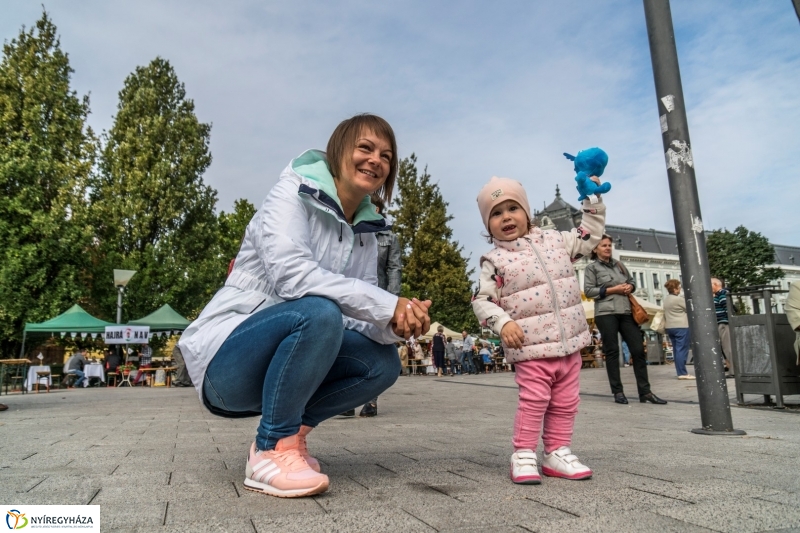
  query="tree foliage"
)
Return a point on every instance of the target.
[
  {"x": 46, "y": 155},
  {"x": 150, "y": 207},
  {"x": 740, "y": 258},
  {"x": 433, "y": 267},
  {"x": 231, "y": 229}
]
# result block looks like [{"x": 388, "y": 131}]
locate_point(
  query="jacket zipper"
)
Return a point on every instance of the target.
[
  {"x": 555, "y": 297},
  {"x": 336, "y": 216}
]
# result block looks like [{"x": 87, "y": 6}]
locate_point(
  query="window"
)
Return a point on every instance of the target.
[
  {"x": 641, "y": 281},
  {"x": 658, "y": 302},
  {"x": 668, "y": 277},
  {"x": 655, "y": 280}
]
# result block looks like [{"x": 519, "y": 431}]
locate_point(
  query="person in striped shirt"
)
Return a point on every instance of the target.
[{"x": 721, "y": 307}]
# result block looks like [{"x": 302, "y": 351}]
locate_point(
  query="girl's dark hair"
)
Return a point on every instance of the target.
[
  {"x": 604, "y": 237},
  {"x": 449, "y": 339},
  {"x": 343, "y": 141}
]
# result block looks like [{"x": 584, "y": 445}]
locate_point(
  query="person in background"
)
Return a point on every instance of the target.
[
  {"x": 466, "y": 353},
  {"x": 74, "y": 366},
  {"x": 182, "y": 378},
  {"x": 113, "y": 360},
  {"x": 451, "y": 355},
  {"x": 402, "y": 351},
  {"x": 477, "y": 360},
  {"x": 145, "y": 361},
  {"x": 439, "y": 345},
  {"x": 609, "y": 283},
  {"x": 626, "y": 354},
  {"x": 486, "y": 357},
  {"x": 792, "y": 308},
  {"x": 721, "y": 308},
  {"x": 677, "y": 326},
  {"x": 390, "y": 270}
]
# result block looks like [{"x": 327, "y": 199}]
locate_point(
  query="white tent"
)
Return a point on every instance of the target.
[
  {"x": 447, "y": 332},
  {"x": 652, "y": 309}
]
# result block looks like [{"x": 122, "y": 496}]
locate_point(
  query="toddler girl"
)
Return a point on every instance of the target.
[{"x": 529, "y": 295}]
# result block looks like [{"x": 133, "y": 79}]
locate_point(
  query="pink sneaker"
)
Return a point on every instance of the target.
[
  {"x": 282, "y": 472},
  {"x": 301, "y": 447}
]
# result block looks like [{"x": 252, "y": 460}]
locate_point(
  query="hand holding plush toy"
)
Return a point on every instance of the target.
[{"x": 588, "y": 163}]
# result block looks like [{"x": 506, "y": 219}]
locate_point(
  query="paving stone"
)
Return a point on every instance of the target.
[
  {"x": 744, "y": 515},
  {"x": 169, "y": 465}
]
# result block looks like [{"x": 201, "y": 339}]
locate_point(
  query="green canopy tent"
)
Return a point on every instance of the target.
[
  {"x": 163, "y": 319},
  {"x": 74, "y": 320}
]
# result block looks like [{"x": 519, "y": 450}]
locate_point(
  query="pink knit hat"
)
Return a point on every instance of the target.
[{"x": 497, "y": 191}]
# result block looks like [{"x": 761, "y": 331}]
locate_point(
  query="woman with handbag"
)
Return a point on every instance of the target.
[{"x": 609, "y": 283}]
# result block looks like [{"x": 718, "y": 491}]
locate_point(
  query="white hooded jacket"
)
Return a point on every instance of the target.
[{"x": 298, "y": 244}]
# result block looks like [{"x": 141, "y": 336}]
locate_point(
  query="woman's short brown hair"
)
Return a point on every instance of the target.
[
  {"x": 343, "y": 141},
  {"x": 672, "y": 285}
]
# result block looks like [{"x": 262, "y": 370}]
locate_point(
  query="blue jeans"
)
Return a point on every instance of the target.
[
  {"x": 81, "y": 377},
  {"x": 466, "y": 362},
  {"x": 626, "y": 353},
  {"x": 680, "y": 338},
  {"x": 294, "y": 363}
]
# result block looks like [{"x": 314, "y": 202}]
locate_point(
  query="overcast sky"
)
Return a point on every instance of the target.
[{"x": 475, "y": 89}]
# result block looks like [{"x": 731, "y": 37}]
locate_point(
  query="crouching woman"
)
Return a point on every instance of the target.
[{"x": 301, "y": 332}]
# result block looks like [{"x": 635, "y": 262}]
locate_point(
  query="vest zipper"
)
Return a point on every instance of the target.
[{"x": 556, "y": 308}]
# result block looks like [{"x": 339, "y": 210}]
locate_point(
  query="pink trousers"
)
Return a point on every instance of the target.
[{"x": 548, "y": 401}]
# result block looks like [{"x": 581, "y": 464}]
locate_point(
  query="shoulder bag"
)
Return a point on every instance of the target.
[{"x": 637, "y": 311}]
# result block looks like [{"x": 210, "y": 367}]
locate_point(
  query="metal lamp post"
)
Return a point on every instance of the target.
[
  {"x": 121, "y": 279},
  {"x": 715, "y": 409}
]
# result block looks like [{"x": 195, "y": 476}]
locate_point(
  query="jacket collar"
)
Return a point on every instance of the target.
[{"x": 317, "y": 182}]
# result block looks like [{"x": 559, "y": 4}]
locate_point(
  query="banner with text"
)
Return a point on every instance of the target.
[{"x": 127, "y": 334}]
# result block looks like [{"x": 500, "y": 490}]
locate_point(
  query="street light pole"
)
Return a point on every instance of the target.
[
  {"x": 121, "y": 279},
  {"x": 715, "y": 409}
]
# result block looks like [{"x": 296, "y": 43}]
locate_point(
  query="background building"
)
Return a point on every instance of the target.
[{"x": 652, "y": 255}]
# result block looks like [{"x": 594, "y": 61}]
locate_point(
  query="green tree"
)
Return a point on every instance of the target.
[
  {"x": 231, "y": 229},
  {"x": 46, "y": 155},
  {"x": 150, "y": 207},
  {"x": 433, "y": 267},
  {"x": 740, "y": 258}
]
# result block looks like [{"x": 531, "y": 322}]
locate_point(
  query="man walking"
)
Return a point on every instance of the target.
[
  {"x": 466, "y": 353},
  {"x": 721, "y": 307}
]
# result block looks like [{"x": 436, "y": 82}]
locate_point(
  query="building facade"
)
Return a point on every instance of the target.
[{"x": 651, "y": 256}]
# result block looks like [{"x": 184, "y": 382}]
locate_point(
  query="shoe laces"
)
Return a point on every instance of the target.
[{"x": 291, "y": 459}]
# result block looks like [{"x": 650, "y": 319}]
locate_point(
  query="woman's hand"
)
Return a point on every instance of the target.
[
  {"x": 623, "y": 288},
  {"x": 512, "y": 335},
  {"x": 411, "y": 318}
]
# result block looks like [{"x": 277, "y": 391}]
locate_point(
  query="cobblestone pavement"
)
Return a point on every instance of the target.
[{"x": 435, "y": 459}]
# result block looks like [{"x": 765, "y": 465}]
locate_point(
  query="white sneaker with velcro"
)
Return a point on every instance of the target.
[
  {"x": 524, "y": 469},
  {"x": 563, "y": 463}
]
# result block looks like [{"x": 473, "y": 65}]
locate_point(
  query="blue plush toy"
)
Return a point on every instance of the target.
[{"x": 590, "y": 162}]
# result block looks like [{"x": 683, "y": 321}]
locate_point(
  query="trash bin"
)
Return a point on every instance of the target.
[
  {"x": 763, "y": 349},
  {"x": 655, "y": 350}
]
